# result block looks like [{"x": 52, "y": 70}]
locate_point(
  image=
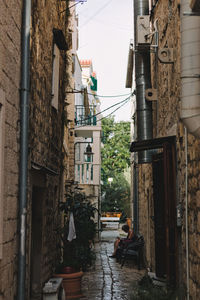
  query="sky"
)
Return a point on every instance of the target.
[{"x": 105, "y": 31}]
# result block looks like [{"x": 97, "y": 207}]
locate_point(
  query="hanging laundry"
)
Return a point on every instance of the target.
[{"x": 72, "y": 230}]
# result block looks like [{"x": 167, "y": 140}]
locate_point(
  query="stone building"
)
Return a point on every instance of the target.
[
  {"x": 29, "y": 202},
  {"x": 88, "y": 134},
  {"x": 10, "y": 39},
  {"x": 166, "y": 173}
]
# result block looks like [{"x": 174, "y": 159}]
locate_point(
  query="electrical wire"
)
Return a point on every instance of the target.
[
  {"x": 110, "y": 113},
  {"x": 127, "y": 99},
  {"x": 97, "y": 12},
  {"x": 100, "y": 96},
  {"x": 81, "y": 1},
  {"x": 109, "y": 25},
  {"x": 123, "y": 102},
  {"x": 114, "y": 111}
]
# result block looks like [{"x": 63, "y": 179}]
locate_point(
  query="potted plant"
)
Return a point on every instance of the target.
[{"x": 77, "y": 235}]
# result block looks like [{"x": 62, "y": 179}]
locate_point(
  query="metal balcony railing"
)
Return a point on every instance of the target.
[
  {"x": 84, "y": 173},
  {"x": 85, "y": 115}
]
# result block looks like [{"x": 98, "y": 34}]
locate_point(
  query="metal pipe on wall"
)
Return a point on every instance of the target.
[
  {"x": 135, "y": 205},
  {"x": 186, "y": 216},
  {"x": 23, "y": 168},
  {"x": 190, "y": 69},
  {"x": 143, "y": 82}
]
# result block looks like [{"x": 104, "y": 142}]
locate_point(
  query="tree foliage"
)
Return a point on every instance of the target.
[{"x": 115, "y": 160}]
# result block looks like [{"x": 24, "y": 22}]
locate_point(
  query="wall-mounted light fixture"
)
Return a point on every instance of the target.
[{"x": 88, "y": 153}]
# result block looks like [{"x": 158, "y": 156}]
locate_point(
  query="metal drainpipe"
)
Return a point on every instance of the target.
[
  {"x": 136, "y": 215},
  {"x": 186, "y": 215},
  {"x": 143, "y": 82},
  {"x": 23, "y": 171},
  {"x": 190, "y": 69}
]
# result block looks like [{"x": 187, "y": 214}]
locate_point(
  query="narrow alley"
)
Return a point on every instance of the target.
[
  {"x": 107, "y": 280},
  {"x": 99, "y": 122}
]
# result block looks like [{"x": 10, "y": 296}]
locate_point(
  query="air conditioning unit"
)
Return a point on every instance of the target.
[
  {"x": 195, "y": 5},
  {"x": 143, "y": 30},
  {"x": 53, "y": 290}
]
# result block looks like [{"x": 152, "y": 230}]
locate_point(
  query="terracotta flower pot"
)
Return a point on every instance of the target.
[
  {"x": 68, "y": 270},
  {"x": 71, "y": 284}
]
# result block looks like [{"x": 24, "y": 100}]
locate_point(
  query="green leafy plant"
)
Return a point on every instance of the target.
[{"x": 78, "y": 253}]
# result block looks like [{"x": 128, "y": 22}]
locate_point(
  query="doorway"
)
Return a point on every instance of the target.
[
  {"x": 164, "y": 193},
  {"x": 159, "y": 216},
  {"x": 38, "y": 194}
]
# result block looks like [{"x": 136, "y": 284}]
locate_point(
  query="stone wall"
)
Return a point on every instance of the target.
[
  {"x": 10, "y": 39},
  {"x": 166, "y": 77},
  {"x": 146, "y": 225},
  {"x": 70, "y": 99},
  {"x": 166, "y": 121},
  {"x": 46, "y": 128}
]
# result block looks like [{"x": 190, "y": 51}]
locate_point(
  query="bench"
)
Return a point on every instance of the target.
[
  {"x": 134, "y": 250},
  {"x": 107, "y": 220}
]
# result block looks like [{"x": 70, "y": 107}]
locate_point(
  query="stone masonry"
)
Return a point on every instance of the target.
[
  {"x": 166, "y": 122},
  {"x": 45, "y": 140},
  {"x": 10, "y": 39},
  {"x": 46, "y": 130}
]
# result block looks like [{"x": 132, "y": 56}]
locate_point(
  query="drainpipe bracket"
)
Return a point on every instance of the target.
[
  {"x": 151, "y": 94},
  {"x": 166, "y": 55}
]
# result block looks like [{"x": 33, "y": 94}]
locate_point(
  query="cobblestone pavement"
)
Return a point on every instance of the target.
[{"x": 107, "y": 281}]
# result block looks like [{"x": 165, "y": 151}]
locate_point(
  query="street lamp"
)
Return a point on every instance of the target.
[
  {"x": 110, "y": 180},
  {"x": 88, "y": 152}
]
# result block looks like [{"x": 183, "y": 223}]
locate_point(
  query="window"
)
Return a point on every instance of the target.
[
  {"x": 2, "y": 131},
  {"x": 59, "y": 45},
  {"x": 55, "y": 77}
]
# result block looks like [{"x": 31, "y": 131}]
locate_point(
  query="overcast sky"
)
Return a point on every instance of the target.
[{"x": 105, "y": 30}]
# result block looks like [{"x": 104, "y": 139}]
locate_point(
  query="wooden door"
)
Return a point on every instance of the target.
[
  {"x": 159, "y": 215},
  {"x": 164, "y": 193},
  {"x": 170, "y": 215}
]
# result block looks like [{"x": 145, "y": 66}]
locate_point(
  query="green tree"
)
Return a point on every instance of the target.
[{"x": 115, "y": 160}]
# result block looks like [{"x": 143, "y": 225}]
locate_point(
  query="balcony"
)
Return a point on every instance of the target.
[
  {"x": 85, "y": 116},
  {"x": 86, "y": 121},
  {"x": 84, "y": 173}
]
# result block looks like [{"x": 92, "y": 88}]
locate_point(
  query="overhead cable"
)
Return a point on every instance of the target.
[
  {"x": 123, "y": 102},
  {"x": 74, "y": 91},
  {"x": 114, "y": 110},
  {"x": 88, "y": 118},
  {"x": 97, "y": 12}
]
